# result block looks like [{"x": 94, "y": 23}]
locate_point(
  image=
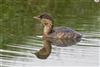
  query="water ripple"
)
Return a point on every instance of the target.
[{"x": 86, "y": 52}]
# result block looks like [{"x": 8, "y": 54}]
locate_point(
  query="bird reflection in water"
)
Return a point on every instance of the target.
[{"x": 45, "y": 51}]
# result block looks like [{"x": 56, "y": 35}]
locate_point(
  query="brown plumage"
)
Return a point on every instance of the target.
[{"x": 57, "y": 32}]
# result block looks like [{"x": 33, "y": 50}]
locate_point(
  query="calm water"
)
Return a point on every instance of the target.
[{"x": 21, "y": 44}]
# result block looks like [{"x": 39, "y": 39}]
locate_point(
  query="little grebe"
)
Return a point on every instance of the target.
[{"x": 58, "y": 32}]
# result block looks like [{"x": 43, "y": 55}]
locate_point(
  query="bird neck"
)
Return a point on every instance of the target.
[{"x": 48, "y": 26}]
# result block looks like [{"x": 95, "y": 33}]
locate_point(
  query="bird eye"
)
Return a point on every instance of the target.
[{"x": 46, "y": 23}]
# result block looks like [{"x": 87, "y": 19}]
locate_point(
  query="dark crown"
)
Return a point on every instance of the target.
[{"x": 45, "y": 16}]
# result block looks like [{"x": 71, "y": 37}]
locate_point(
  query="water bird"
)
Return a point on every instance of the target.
[{"x": 56, "y": 32}]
